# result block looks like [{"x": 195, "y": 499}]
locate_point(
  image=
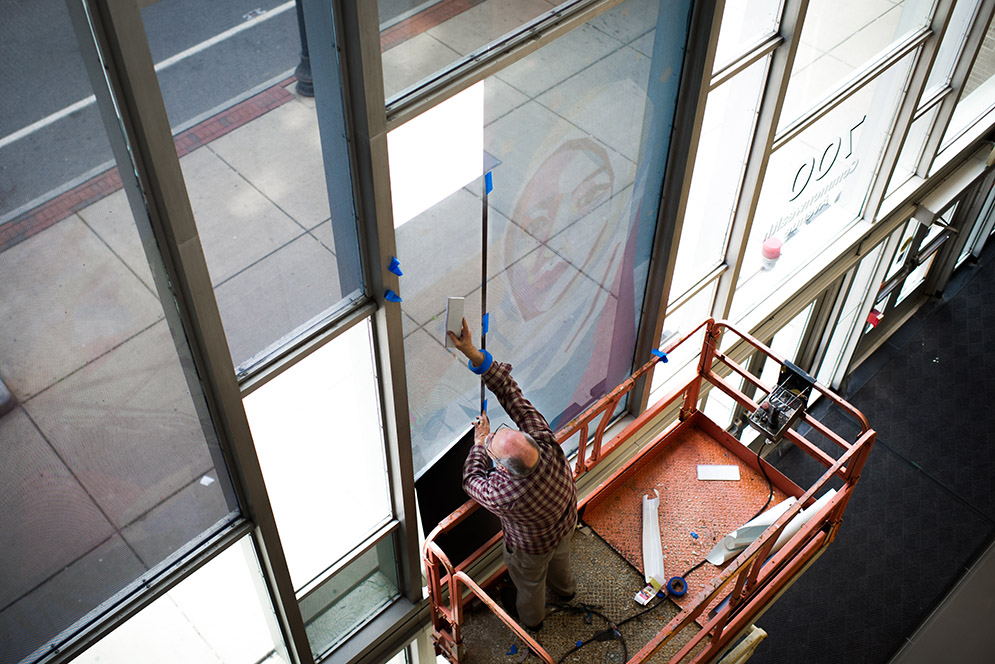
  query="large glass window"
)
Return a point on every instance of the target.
[
  {"x": 744, "y": 23},
  {"x": 282, "y": 260},
  {"x": 575, "y": 136},
  {"x": 421, "y": 37},
  {"x": 839, "y": 38},
  {"x": 815, "y": 186},
  {"x": 978, "y": 95},
  {"x": 220, "y": 613},
  {"x": 318, "y": 437},
  {"x": 110, "y": 468},
  {"x": 726, "y": 134}
]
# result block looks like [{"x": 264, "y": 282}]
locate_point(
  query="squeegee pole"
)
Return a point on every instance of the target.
[{"x": 483, "y": 284}]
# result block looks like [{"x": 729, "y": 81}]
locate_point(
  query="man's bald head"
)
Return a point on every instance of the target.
[{"x": 515, "y": 450}]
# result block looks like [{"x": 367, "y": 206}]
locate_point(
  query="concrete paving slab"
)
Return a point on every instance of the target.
[
  {"x": 280, "y": 154},
  {"x": 558, "y": 61},
  {"x": 274, "y": 296},
  {"x": 629, "y": 20},
  {"x": 112, "y": 221},
  {"x": 126, "y": 426},
  {"x": 828, "y": 24},
  {"x": 860, "y": 48},
  {"x": 596, "y": 246},
  {"x": 499, "y": 99},
  {"x": 46, "y": 518},
  {"x": 179, "y": 519},
  {"x": 452, "y": 229},
  {"x": 67, "y": 300},
  {"x": 414, "y": 59},
  {"x": 236, "y": 223},
  {"x": 607, "y": 100},
  {"x": 482, "y": 24},
  {"x": 60, "y": 601}
]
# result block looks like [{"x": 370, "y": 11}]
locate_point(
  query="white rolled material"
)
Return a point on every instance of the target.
[
  {"x": 652, "y": 546},
  {"x": 730, "y": 545}
]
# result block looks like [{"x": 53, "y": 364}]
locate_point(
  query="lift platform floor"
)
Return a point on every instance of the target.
[
  {"x": 694, "y": 514},
  {"x": 605, "y": 581}
]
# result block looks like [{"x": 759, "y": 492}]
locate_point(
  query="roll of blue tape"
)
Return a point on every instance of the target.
[{"x": 677, "y": 586}]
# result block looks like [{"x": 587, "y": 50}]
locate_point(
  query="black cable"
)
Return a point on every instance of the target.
[{"x": 770, "y": 485}]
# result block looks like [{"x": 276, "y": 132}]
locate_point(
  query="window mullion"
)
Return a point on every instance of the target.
[
  {"x": 907, "y": 108},
  {"x": 972, "y": 46}
]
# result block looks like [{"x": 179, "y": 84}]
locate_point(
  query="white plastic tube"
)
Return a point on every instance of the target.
[{"x": 652, "y": 546}]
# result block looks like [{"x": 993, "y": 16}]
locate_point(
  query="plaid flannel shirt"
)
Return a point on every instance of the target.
[{"x": 536, "y": 511}]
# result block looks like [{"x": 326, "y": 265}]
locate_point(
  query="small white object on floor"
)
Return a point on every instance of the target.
[{"x": 707, "y": 472}]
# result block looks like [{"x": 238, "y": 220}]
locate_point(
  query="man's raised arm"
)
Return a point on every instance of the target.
[{"x": 498, "y": 378}]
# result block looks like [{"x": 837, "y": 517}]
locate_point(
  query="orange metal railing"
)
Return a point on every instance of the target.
[{"x": 756, "y": 578}]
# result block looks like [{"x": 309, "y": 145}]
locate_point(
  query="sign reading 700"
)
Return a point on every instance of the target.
[{"x": 817, "y": 169}]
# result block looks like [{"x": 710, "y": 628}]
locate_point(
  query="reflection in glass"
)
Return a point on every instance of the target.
[
  {"x": 978, "y": 95},
  {"x": 420, "y": 38},
  {"x": 912, "y": 149},
  {"x": 220, "y": 613},
  {"x": 110, "y": 468},
  {"x": 348, "y": 600},
  {"x": 317, "y": 433},
  {"x": 952, "y": 44},
  {"x": 678, "y": 323},
  {"x": 282, "y": 261},
  {"x": 744, "y": 23},
  {"x": 838, "y": 38},
  {"x": 829, "y": 372},
  {"x": 815, "y": 186},
  {"x": 575, "y": 136},
  {"x": 726, "y": 133}
]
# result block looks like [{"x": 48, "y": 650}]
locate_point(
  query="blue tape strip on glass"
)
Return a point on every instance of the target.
[
  {"x": 486, "y": 323},
  {"x": 488, "y": 183},
  {"x": 485, "y": 405},
  {"x": 395, "y": 266},
  {"x": 659, "y": 353},
  {"x": 391, "y": 296}
]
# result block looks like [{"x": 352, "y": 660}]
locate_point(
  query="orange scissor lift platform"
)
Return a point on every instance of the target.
[{"x": 724, "y": 601}]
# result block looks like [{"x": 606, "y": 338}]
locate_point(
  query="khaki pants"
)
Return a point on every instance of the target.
[{"x": 530, "y": 573}]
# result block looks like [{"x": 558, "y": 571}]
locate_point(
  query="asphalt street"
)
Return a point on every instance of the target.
[{"x": 42, "y": 74}]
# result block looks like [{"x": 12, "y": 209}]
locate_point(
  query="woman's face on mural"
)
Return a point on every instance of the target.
[{"x": 568, "y": 185}]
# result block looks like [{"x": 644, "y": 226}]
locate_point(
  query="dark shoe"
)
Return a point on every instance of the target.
[
  {"x": 535, "y": 629},
  {"x": 566, "y": 599},
  {"x": 509, "y": 597}
]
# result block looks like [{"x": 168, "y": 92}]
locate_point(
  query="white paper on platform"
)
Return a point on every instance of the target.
[
  {"x": 712, "y": 472},
  {"x": 730, "y": 545},
  {"x": 652, "y": 546}
]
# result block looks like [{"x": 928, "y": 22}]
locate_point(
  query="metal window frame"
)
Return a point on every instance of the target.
[
  {"x": 962, "y": 69},
  {"x": 112, "y": 38}
]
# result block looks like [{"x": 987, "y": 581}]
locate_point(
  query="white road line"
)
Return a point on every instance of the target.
[{"x": 168, "y": 62}]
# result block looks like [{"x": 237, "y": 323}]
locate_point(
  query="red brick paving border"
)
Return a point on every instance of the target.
[{"x": 51, "y": 212}]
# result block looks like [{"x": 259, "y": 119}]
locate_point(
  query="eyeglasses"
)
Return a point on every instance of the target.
[{"x": 490, "y": 438}]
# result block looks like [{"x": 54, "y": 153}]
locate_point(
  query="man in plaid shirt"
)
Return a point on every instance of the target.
[{"x": 523, "y": 477}]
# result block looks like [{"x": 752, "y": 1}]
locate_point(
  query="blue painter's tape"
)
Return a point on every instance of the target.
[
  {"x": 486, "y": 323},
  {"x": 395, "y": 266},
  {"x": 391, "y": 296},
  {"x": 488, "y": 183},
  {"x": 677, "y": 586},
  {"x": 659, "y": 353},
  {"x": 485, "y": 405}
]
